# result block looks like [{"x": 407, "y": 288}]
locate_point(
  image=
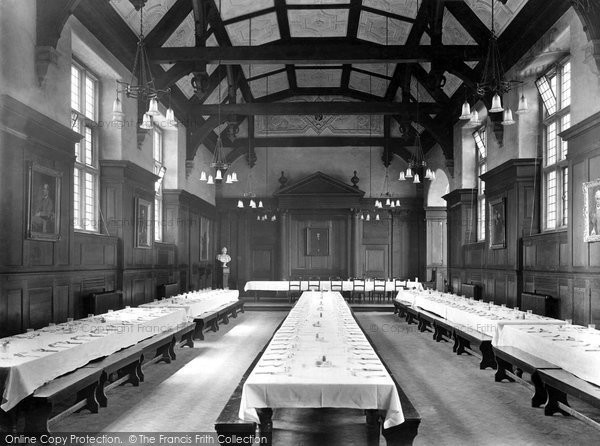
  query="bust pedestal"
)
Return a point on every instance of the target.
[{"x": 225, "y": 279}]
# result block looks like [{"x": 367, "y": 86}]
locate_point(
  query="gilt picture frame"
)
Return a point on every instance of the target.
[
  {"x": 317, "y": 241},
  {"x": 591, "y": 211},
  {"x": 143, "y": 223},
  {"x": 43, "y": 202}
]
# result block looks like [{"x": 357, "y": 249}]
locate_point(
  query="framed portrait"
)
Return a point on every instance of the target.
[
  {"x": 204, "y": 237},
  {"x": 317, "y": 241},
  {"x": 498, "y": 223},
  {"x": 143, "y": 223},
  {"x": 591, "y": 211},
  {"x": 43, "y": 202}
]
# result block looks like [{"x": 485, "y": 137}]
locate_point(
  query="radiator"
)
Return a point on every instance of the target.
[
  {"x": 100, "y": 303},
  {"x": 470, "y": 290},
  {"x": 541, "y": 304},
  {"x": 168, "y": 290}
]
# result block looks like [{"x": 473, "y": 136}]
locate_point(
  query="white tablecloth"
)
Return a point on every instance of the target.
[
  {"x": 347, "y": 285},
  {"x": 30, "y": 360},
  {"x": 320, "y": 358},
  {"x": 470, "y": 314},
  {"x": 574, "y": 348},
  {"x": 197, "y": 303}
]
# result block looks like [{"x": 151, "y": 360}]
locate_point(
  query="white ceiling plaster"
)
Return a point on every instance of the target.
[
  {"x": 503, "y": 14},
  {"x": 318, "y": 78},
  {"x": 154, "y": 10},
  {"x": 452, "y": 84},
  {"x": 368, "y": 84},
  {"x": 375, "y": 28},
  {"x": 185, "y": 85},
  {"x": 422, "y": 96},
  {"x": 215, "y": 97},
  {"x": 318, "y": 22},
  {"x": 453, "y": 32},
  {"x": 276, "y": 83},
  {"x": 383, "y": 69},
  {"x": 235, "y": 8},
  {"x": 264, "y": 30},
  {"x": 317, "y": 2},
  {"x": 406, "y": 8},
  {"x": 256, "y": 70},
  {"x": 184, "y": 35}
]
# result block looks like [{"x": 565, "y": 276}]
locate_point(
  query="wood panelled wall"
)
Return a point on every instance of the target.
[
  {"x": 497, "y": 270},
  {"x": 560, "y": 263},
  {"x": 46, "y": 281},
  {"x": 266, "y": 250}
]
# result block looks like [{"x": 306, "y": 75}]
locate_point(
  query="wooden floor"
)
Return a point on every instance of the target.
[{"x": 459, "y": 404}]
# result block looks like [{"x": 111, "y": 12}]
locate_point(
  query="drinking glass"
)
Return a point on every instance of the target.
[
  {"x": 592, "y": 326},
  {"x": 569, "y": 321}
]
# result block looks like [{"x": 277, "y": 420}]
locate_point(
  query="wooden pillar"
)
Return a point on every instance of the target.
[
  {"x": 356, "y": 270},
  {"x": 284, "y": 256}
]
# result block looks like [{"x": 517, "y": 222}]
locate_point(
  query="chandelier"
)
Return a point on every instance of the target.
[
  {"x": 145, "y": 89},
  {"x": 386, "y": 200},
  {"x": 493, "y": 83}
]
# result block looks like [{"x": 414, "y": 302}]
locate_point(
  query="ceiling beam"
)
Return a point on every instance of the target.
[
  {"x": 469, "y": 21},
  {"x": 311, "y": 108},
  {"x": 168, "y": 23},
  {"x": 331, "y": 52},
  {"x": 320, "y": 141}
]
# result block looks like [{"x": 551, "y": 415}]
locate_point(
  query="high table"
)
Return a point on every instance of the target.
[
  {"x": 470, "y": 314},
  {"x": 29, "y": 360},
  {"x": 319, "y": 357},
  {"x": 324, "y": 285},
  {"x": 197, "y": 303},
  {"x": 574, "y": 348}
]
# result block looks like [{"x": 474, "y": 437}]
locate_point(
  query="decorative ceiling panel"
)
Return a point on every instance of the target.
[
  {"x": 235, "y": 8},
  {"x": 317, "y": 2},
  {"x": 154, "y": 10},
  {"x": 185, "y": 85},
  {"x": 423, "y": 95},
  {"x": 318, "y": 22},
  {"x": 453, "y": 32},
  {"x": 452, "y": 84},
  {"x": 503, "y": 14},
  {"x": 368, "y": 84},
  {"x": 380, "y": 29},
  {"x": 318, "y": 78},
  {"x": 218, "y": 94},
  {"x": 184, "y": 35},
  {"x": 426, "y": 66},
  {"x": 264, "y": 29},
  {"x": 256, "y": 70},
  {"x": 277, "y": 82},
  {"x": 406, "y": 8},
  {"x": 383, "y": 69}
]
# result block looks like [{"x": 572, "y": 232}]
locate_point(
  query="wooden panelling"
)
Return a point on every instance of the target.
[
  {"x": 581, "y": 306},
  {"x": 139, "y": 292},
  {"x": 376, "y": 261},
  {"x": 62, "y": 306},
  {"x": 11, "y": 312},
  {"x": 40, "y": 307},
  {"x": 262, "y": 264}
]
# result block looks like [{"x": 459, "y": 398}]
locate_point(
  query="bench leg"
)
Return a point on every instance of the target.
[
  {"x": 138, "y": 369},
  {"x": 89, "y": 395},
  {"x": 225, "y": 319},
  {"x": 37, "y": 415},
  {"x": 215, "y": 324},
  {"x": 234, "y": 312},
  {"x": 100, "y": 394},
  {"x": 171, "y": 349},
  {"x": 188, "y": 338},
  {"x": 463, "y": 344},
  {"x": 265, "y": 415},
  {"x": 242, "y": 307},
  {"x": 456, "y": 342},
  {"x": 539, "y": 397},
  {"x": 199, "y": 331},
  {"x": 487, "y": 356},
  {"x": 554, "y": 397},
  {"x": 501, "y": 375}
]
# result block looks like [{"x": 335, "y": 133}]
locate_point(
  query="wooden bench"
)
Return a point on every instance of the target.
[
  {"x": 441, "y": 328},
  {"x": 210, "y": 321},
  {"x": 465, "y": 337},
  {"x": 560, "y": 383},
  {"x": 82, "y": 382},
  {"x": 508, "y": 357}
]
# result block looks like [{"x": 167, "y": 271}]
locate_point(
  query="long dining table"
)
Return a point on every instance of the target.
[
  {"x": 31, "y": 359},
  {"x": 197, "y": 303},
  {"x": 319, "y": 357}
]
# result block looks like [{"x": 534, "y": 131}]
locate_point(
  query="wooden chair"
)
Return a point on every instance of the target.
[
  {"x": 358, "y": 289},
  {"x": 314, "y": 283},
  {"x": 399, "y": 285},
  {"x": 379, "y": 290},
  {"x": 336, "y": 284},
  {"x": 295, "y": 286}
]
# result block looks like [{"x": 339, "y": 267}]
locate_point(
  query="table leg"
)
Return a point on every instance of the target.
[
  {"x": 554, "y": 397},
  {"x": 539, "y": 397},
  {"x": 487, "y": 356},
  {"x": 265, "y": 416}
]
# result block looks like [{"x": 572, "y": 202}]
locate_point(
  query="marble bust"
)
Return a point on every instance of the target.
[{"x": 223, "y": 257}]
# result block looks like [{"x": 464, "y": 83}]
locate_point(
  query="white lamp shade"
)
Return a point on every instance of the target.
[
  {"x": 274, "y": 218},
  {"x": 397, "y": 203},
  {"x": 466, "y": 112},
  {"x": 368, "y": 217},
  {"x": 401, "y": 177},
  {"x": 234, "y": 177},
  {"x": 260, "y": 204},
  {"x": 409, "y": 173},
  {"x": 474, "y": 121},
  {"x": 362, "y": 217},
  {"x": 387, "y": 202},
  {"x": 219, "y": 175},
  {"x": 240, "y": 204},
  {"x": 211, "y": 180},
  {"x": 507, "y": 117},
  {"x": 253, "y": 204},
  {"x": 416, "y": 179},
  {"x": 146, "y": 122},
  {"x": 203, "y": 176},
  {"x": 523, "y": 108},
  {"x": 258, "y": 218},
  {"x": 377, "y": 217},
  {"x": 153, "y": 107},
  {"x": 117, "y": 110},
  {"x": 170, "y": 116},
  {"x": 496, "y": 104},
  {"x": 392, "y": 204},
  {"x": 228, "y": 180}
]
